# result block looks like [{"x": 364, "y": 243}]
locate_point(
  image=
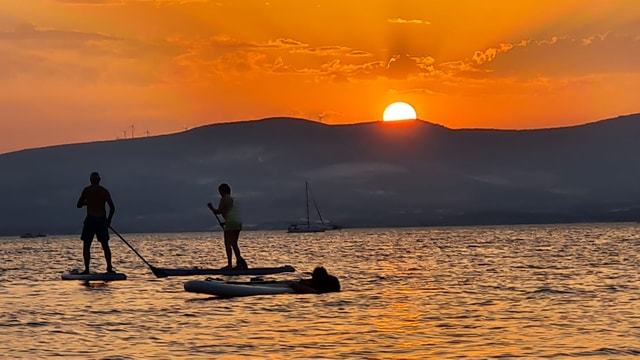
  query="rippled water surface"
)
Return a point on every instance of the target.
[{"x": 548, "y": 291}]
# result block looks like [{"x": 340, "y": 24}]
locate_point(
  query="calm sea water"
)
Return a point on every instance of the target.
[{"x": 552, "y": 291}]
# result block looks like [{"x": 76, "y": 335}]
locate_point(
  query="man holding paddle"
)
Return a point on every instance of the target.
[{"x": 97, "y": 222}]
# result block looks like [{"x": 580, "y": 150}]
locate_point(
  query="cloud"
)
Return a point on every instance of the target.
[
  {"x": 81, "y": 57},
  {"x": 224, "y": 42},
  {"x": 124, "y": 2},
  {"x": 327, "y": 51},
  {"x": 406, "y": 66},
  {"x": 344, "y": 70},
  {"x": 408, "y": 21},
  {"x": 280, "y": 67},
  {"x": 483, "y": 56},
  {"x": 416, "y": 91},
  {"x": 44, "y": 54},
  {"x": 92, "y": 2},
  {"x": 29, "y": 32},
  {"x": 553, "y": 56},
  {"x": 590, "y": 39},
  {"x": 339, "y": 71},
  {"x": 359, "y": 53},
  {"x": 281, "y": 43},
  {"x": 458, "y": 67},
  {"x": 224, "y": 54},
  {"x": 527, "y": 57},
  {"x": 28, "y": 37},
  {"x": 565, "y": 56},
  {"x": 425, "y": 62}
]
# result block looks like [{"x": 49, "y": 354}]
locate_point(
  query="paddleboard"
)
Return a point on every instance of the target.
[
  {"x": 226, "y": 272},
  {"x": 76, "y": 275},
  {"x": 233, "y": 289}
]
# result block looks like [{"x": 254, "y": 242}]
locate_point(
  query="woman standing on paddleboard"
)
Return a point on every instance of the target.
[{"x": 232, "y": 226}]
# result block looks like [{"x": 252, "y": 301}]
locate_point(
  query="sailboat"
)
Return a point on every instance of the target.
[{"x": 308, "y": 227}]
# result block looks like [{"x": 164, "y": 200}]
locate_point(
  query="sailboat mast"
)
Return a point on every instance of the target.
[{"x": 315, "y": 204}]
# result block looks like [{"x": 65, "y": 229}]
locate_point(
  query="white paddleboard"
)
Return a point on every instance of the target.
[
  {"x": 76, "y": 275},
  {"x": 224, "y": 289}
]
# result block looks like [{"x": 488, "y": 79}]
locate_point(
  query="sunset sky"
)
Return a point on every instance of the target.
[{"x": 85, "y": 70}]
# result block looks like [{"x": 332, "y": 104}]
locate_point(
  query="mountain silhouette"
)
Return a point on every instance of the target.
[{"x": 405, "y": 173}]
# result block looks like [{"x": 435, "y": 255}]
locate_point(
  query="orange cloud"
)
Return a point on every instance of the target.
[{"x": 408, "y": 21}]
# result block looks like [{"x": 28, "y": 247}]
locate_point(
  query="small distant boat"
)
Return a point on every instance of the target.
[
  {"x": 307, "y": 226},
  {"x": 31, "y": 236}
]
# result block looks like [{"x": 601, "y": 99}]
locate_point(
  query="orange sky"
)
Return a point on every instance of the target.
[{"x": 84, "y": 70}]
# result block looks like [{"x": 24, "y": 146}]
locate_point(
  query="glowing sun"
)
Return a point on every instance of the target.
[{"x": 399, "y": 111}]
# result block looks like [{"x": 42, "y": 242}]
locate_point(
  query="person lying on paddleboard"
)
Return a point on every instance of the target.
[
  {"x": 97, "y": 222},
  {"x": 232, "y": 226},
  {"x": 321, "y": 282}
]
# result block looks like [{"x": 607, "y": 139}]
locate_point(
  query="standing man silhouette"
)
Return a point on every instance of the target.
[{"x": 97, "y": 222}]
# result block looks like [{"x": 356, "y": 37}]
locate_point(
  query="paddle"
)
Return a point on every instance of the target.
[
  {"x": 157, "y": 272},
  {"x": 219, "y": 221},
  {"x": 210, "y": 206}
]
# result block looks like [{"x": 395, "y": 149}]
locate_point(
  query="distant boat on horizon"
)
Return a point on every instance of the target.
[
  {"x": 308, "y": 227},
  {"x": 30, "y": 235}
]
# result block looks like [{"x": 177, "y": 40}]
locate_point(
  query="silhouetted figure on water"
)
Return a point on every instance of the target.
[
  {"x": 97, "y": 222},
  {"x": 228, "y": 208},
  {"x": 321, "y": 282}
]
